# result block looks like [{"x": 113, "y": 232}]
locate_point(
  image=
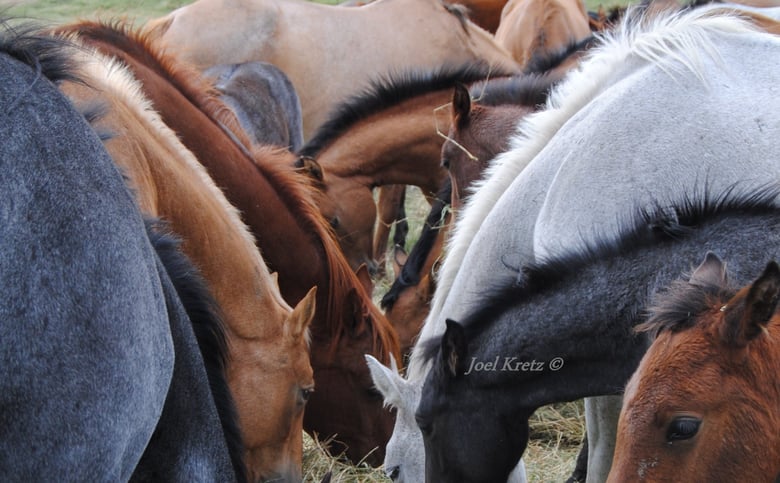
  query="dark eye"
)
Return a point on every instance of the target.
[
  {"x": 334, "y": 222},
  {"x": 306, "y": 393},
  {"x": 423, "y": 424},
  {"x": 682, "y": 428},
  {"x": 445, "y": 163}
]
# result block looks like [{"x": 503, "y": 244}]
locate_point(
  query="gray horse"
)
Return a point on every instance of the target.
[
  {"x": 264, "y": 101},
  {"x": 101, "y": 321},
  {"x": 682, "y": 107}
]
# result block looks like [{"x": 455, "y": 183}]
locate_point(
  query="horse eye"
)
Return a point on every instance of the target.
[
  {"x": 306, "y": 394},
  {"x": 445, "y": 163},
  {"x": 423, "y": 424},
  {"x": 682, "y": 428},
  {"x": 334, "y": 222}
]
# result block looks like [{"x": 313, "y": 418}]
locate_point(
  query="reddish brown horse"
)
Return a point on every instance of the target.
[
  {"x": 386, "y": 136},
  {"x": 294, "y": 239},
  {"x": 704, "y": 404},
  {"x": 268, "y": 372}
]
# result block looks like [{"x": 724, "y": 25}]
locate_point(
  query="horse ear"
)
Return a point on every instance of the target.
[
  {"x": 399, "y": 259},
  {"x": 303, "y": 313},
  {"x": 309, "y": 166},
  {"x": 461, "y": 105},
  {"x": 759, "y": 306},
  {"x": 387, "y": 381},
  {"x": 453, "y": 349},
  {"x": 711, "y": 272}
]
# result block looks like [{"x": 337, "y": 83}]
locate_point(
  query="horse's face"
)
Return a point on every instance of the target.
[
  {"x": 469, "y": 436},
  {"x": 410, "y": 309},
  {"x": 702, "y": 405},
  {"x": 271, "y": 387},
  {"x": 405, "y": 455}
]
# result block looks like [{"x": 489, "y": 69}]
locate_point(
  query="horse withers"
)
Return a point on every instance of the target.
[{"x": 703, "y": 404}]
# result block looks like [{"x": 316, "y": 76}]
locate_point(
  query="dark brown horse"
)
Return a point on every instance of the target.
[{"x": 294, "y": 239}]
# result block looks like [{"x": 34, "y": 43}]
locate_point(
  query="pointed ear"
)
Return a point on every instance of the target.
[
  {"x": 711, "y": 272},
  {"x": 387, "y": 381},
  {"x": 399, "y": 259},
  {"x": 453, "y": 349},
  {"x": 365, "y": 279},
  {"x": 309, "y": 166},
  {"x": 759, "y": 307},
  {"x": 303, "y": 313},
  {"x": 461, "y": 105}
]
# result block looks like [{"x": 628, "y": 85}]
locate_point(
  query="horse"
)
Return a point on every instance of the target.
[
  {"x": 528, "y": 27},
  {"x": 113, "y": 352},
  {"x": 264, "y": 101},
  {"x": 706, "y": 390},
  {"x": 544, "y": 186},
  {"x": 295, "y": 241},
  {"x": 384, "y": 136},
  {"x": 315, "y": 44},
  {"x": 479, "y": 130},
  {"x": 268, "y": 343}
]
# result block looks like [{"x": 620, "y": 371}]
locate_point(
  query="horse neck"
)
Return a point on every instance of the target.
[
  {"x": 398, "y": 145},
  {"x": 586, "y": 318},
  {"x": 171, "y": 184}
]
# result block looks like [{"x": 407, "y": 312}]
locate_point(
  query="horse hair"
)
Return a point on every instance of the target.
[
  {"x": 646, "y": 228},
  {"x": 410, "y": 273},
  {"x": 205, "y": 315},
  {"x": 544, "y": 61},
  {"x": 527, "y": 90},
  {"x": 45, "y": 54},
  {"x": 390, "y": 90}
]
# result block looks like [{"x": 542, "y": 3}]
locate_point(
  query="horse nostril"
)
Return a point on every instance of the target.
[{"x": 392, "y": 473}]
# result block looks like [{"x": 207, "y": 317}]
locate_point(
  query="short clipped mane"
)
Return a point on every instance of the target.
[
  {"x": 206, "y": 319},
  {"x": 527, "y": 90},
  {"x": 544, "y": 61},
  {"x": 645, "y": 229},
  {"x": 388, "y": 91}
]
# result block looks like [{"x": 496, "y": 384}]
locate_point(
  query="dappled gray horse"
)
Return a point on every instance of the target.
[
  {"x": 264, "y": 101},
  {"x": 101, "y": 376},
  {"x": 679, "y": 109}
]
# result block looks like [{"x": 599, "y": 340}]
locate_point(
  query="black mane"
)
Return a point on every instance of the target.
[
  {"x": 390, "y": 90},
  {"x": 528, "y": 90},
  {"x": 648, "y": 227},
  {"x": 47, "y": 55},
  {"x": 205, "y": 315},
  {"x": 410, "y": 273},
  {"x": 542, "y": 62}
]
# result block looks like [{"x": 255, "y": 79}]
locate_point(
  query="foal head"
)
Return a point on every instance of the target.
[{"x": 704, "y": 403}]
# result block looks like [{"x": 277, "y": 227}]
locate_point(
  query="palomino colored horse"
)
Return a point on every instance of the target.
[
  {"x": 530, "y": 27},
  {"x": 566, "y": 186},
  {"x": 264, "y": 101},
  {"x": 329, "y": 52},
  {"x": 268, "y": 342},
  {"x": 703, "y": 404},
  {"x": 101, "y": 321},
  {"x": 385, "y": 136},
  {"x": 294, "y": 240}
]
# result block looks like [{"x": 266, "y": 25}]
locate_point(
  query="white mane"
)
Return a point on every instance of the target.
[{"x": 674, "y": 41}]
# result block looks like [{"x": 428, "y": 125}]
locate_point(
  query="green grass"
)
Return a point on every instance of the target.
[{"x": 59, "y": 11}]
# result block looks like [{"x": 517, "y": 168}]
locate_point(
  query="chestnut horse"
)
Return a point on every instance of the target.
[
  {"x": 329, "y": 52},
  {"x": 704, "y": 403},
  {"x": 532, "y": 26},
  {"x": 269, "y": 367},
  {"x": 385, "y": 136},
  {"x": 294, "y": 239}
]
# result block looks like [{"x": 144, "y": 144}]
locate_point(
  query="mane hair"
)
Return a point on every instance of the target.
[
  {"x": 674, "y": 41},
  {"x": 410, "y": 273},
  {"x": 527, "y": 90},
  {"x": 48, "y": 56},
  {"x": 205, "y": 316},
  {"x": 646, "y": 228},
  {"x": 293, "y": 188},
  {"x": 544, "y": 61},
  {"x": 390, "y": 90}
]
